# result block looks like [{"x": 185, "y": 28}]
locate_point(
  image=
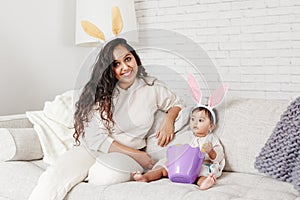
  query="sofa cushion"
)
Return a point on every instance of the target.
[
  {"x": 230, "y": 186},
  {"x": 245, "y": 128},
  {"x": 15, "y": 121},
  {"x": 18, "y": 178},
  {"x": 19, "y": 144},
  {"x": 40, "y": 163}
]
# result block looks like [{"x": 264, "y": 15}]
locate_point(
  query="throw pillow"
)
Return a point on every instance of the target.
[
  {"x": 19, "y": 144},
  {"x": 279, "y": 158}
]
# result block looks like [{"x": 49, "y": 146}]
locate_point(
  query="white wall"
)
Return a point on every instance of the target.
[
  {"x": 38, "y": 58},
  {"x": 254, "y": 44}
]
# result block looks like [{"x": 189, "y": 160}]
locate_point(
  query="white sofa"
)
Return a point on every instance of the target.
[{"x": 244, "y": 127}]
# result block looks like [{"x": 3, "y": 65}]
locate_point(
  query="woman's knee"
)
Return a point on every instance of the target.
[
  {"x": 76, "y": 160},
  {"x": 112, "y": 168}
]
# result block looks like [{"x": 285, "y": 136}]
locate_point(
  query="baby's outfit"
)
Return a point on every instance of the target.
[{"x": 211, "y": 166}]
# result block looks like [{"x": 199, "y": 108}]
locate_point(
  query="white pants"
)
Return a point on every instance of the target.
[
  {"x": 75, "y": 165},
  {"x": 70, "y": 169}
]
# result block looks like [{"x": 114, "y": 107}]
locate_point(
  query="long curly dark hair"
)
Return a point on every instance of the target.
[{"x": 98, "y": 90}]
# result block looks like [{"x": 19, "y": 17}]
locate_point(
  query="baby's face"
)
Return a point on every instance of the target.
[{"x": 200, "y": 123}]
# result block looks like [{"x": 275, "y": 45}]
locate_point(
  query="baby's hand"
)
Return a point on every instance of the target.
[{"x": 206, "y": 148}]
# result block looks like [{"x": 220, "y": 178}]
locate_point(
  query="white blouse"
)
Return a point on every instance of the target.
[{"x": 133, "y": 114}]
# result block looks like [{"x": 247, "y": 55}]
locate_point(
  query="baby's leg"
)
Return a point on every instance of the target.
[
  {"x": 152, "y": 175},
  {"x": 205, "y": 183}
]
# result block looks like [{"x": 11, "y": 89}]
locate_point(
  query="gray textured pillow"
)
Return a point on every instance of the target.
[
  {"x": 280, "y": 157},
  {"x": 19, "y": 144}
]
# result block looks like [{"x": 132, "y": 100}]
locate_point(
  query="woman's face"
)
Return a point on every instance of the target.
[{"x": 124, "y": 67}]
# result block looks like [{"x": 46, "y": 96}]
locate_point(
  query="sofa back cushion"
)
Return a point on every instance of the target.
[
  {"x": 244, "y": 127},
  {"x": 15, "y": 121}
]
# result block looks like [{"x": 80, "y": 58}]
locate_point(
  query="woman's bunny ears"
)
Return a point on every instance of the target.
[
  {"x": 214, "y": 100},
  {"x": 94, "y": 31}
]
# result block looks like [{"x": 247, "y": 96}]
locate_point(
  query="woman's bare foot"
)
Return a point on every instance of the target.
[{"x": 207, "y": 182}]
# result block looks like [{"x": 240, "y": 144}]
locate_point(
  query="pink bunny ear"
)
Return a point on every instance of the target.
[
  {"x": 217, "y": 96},
  {"x": 194, "y": 89}
]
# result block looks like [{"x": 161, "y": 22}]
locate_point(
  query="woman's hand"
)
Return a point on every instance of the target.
[
  {"x": 143, "y": 158},
  {"x": 166, "y": 133}
]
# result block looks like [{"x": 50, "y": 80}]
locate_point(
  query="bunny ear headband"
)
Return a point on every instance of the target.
[
  {"x": 94, "y": 31},
  {"x": 214, "y": 100}
]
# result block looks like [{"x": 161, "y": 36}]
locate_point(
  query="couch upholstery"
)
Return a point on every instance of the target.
[{"x": 243, "y": 128}]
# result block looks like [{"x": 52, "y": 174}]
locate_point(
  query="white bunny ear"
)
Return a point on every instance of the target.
[
  {"x": 217, "y": 96},
  {"x": 194, "y": 89}
]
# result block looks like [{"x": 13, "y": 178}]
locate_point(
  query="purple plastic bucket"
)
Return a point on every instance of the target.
[{"x": 184, "y": 163}]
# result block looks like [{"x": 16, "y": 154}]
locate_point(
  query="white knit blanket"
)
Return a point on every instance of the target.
[{"x": 55, "y": 124}]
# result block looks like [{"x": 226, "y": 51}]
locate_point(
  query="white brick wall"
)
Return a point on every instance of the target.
[{"x": 254, "y": 44}]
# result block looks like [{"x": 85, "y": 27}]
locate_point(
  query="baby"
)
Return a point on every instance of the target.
[
  {"x": 201, "y": 126},
  {"x": 202, "y": 123}
]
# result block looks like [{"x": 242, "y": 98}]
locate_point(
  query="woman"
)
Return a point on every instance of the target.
[{"x": 114, "y": 113}]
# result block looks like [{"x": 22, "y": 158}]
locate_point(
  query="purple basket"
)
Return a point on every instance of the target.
[{"x": 184, "y": 163}]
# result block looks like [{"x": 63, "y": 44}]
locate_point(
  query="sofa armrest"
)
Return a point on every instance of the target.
[{"x": 15, "y": 121}]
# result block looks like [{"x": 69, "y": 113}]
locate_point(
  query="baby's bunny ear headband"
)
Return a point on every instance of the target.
[
  {"x": 117, "y": 25},
  {"x": 214, "y": 100}
]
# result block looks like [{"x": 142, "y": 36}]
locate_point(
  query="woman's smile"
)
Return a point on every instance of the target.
[
  {"x": 126, "y": 74},
  {"x": 124, "y": 67}
]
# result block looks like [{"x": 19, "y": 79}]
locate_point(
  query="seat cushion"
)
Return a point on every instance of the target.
[
  {"x": 18, "y": 179},
  {"x": 230, "y": 186}
]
